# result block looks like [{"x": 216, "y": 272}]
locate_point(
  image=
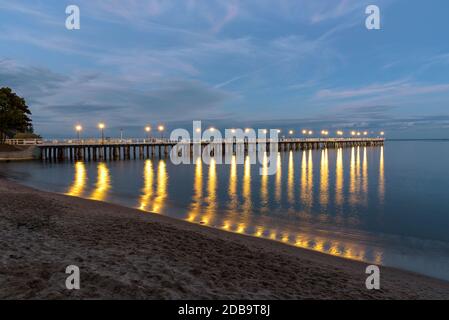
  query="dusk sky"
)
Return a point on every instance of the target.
[{"x": 251, "y": 63}]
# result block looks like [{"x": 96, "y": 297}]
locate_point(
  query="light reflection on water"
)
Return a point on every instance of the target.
[
  {"x": 333, "y": 201},
  {"x": 339, "y": 179},
  {"x": 150, "y": 201},
  {"x": 381, "y": 176},
  {"x": 79, "y": 183},
  {"x": 103, "y": 183},
  {"x": 147, "y": 191},
  {"x": 240, "y": 216}
]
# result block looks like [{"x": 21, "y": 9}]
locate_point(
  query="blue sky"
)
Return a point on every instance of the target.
[{"x": 251, "y": 63}]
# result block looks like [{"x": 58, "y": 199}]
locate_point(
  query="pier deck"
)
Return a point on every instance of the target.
[{"x": 144, "y": 148}]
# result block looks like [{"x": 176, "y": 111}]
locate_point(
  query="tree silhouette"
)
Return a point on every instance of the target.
[{"x": 14, "y": 114}]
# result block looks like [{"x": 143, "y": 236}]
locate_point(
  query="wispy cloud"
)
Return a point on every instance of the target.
[
  {"x": 396, "y": 88},
  {"x": 232, "y": 10},
  {"x": 330, "y": 10},
  {"x": 34, "y": 10},
  {"x": 61, "y": 99},
  {"x": 55, "y": 43},
  {"x": 211, "y": 16}
]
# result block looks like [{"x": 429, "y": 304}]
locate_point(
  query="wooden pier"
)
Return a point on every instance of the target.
[{"x": 93, "y": 150}]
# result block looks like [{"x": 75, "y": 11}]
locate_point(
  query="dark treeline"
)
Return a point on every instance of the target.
[{"x": 15, "y": 115}]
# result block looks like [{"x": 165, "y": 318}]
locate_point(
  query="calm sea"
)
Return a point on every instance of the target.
[{"x": 386, "y": 205}]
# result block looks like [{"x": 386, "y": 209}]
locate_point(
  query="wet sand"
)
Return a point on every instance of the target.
[{"x": 124, "y": 253}]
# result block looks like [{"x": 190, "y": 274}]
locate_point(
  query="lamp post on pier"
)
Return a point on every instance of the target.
[
  {"x": 101, "y": 126},
  {"x": 161, "y": 129},
  {"x": 78, "y": 129},
  {"x": 148, "y": 130}
]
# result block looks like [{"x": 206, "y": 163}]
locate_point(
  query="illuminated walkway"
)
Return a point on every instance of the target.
[{"x": 139, "y": 149}]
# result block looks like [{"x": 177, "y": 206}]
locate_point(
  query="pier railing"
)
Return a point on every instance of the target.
[
  {"x": 23, "y": 141},
  {"x": 159, "y": 141},
  {"x": 100, "y": 142},
  {"x": 144, "y": 148}
]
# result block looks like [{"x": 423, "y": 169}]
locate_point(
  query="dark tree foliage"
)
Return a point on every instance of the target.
[{"x": 14, "y": 114}]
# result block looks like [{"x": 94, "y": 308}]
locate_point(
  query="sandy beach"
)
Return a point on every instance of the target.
[{"x": 128, "y": 254}]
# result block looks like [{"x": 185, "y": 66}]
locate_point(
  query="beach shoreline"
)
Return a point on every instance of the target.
[{"x": 124, "y": 253}]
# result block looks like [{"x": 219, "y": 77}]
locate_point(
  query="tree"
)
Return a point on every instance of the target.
[{"x": 14, "y": 114}]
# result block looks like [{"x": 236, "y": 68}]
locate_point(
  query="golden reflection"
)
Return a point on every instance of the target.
[
  {"x": 301, "y": 241},
  {"x": 339, "y": 178},
  {"x": 333, "y": 248},
  {"x": 161, "y": 190},
  {"x": 195, "y": 208},
  {"x": 232, "y": 190},
  {"x": 303, "y": 177},
  {"x": 226, "y": 226},
  {"x": 309, "y": 189},
  {"x": 103, "y": 183},
  {"x": 259, "y": 231},
  {"x": 357, "y": 170},
  {"x": 291, "y": 179},
  {"x": 147, "y": 191},
  {"x": 241, "y": 228},
  {"x": 365, "y": 173},
  {"x": 79, "y": 183},
  {"x": 264, "y": 183},
  {"x": 211, "y": 193},
  {"x": 278, "y": 186},
  {"x": 307, "y": 179},
  {"x": 324, "y": 179},
  {"x": 352, "y": 177},
  {"x": 246, "y": 224},
  {"x": 310, "y": 174},
  {"x": 321, "y": 244},
  {"x": 247, "y": 203},
  {"x": 381, "y": 176}
]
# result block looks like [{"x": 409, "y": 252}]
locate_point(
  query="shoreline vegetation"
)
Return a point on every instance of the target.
[{"x": 124, "y": 253}]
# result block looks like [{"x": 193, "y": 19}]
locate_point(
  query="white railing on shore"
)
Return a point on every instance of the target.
[
  {"x": 23, "y": 141},
  {"x": 106, "y": 141},
  {"x": 156, "y": 141}
]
